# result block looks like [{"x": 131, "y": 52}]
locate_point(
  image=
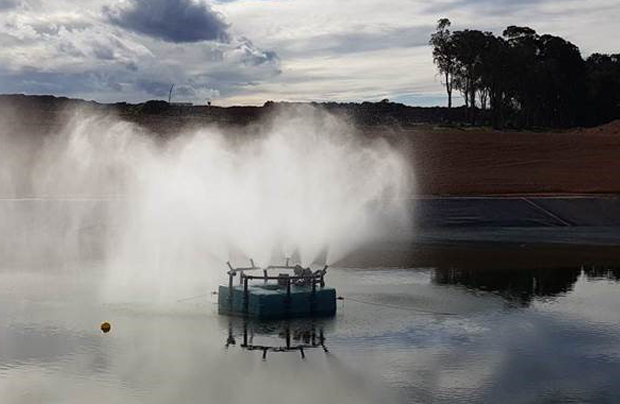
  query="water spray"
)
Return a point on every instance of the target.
[{"x": 163, "y": 217}]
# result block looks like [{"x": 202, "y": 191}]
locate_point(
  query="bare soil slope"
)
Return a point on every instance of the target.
[
  {"x": 445, "y": 161},
  {"x": 456, "y": 162}
]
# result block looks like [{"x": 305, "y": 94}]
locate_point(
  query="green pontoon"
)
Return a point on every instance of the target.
[{"x": 300, "y": 292}]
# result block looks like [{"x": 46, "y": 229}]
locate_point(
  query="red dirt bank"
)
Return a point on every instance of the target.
[
  {"x": 446, "y": 161},
  {"x": 455, "y": 162}
]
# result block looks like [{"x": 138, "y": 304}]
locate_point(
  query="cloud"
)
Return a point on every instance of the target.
[
  {"x": 358, "y": 40},
  {"x": 254, "y": 51},
  {"x": 79, "y": 54},
  {"x": 248, "y": 54},
  {"x": 156, "y": 88},
  {"x": 59, "y": 83},
  {"x": 487, "y": 6},
  {"x": 175, "y": 21},
  {"x": 6, "y": 5}
]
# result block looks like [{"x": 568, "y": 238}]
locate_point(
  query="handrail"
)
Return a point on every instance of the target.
[
  {"x": 254, "y": 267},
  {"x": 292, "y": 278},
  {"x": 312, "y": 278}
]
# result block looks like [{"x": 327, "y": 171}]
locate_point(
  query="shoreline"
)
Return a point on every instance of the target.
[{"x": 482, "y": 255}]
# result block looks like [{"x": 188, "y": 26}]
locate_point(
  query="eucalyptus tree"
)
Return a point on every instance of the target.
[
  {"x": 525, "y": 79},
  {"x": 603, "y": 75},
  {"x": 444, "y": 56},
  {"x": 469, "y": 46}
]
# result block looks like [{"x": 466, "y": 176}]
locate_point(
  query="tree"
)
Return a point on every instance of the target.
[
  {"x": 562, "y": 82},
  {"x": 548, "y": 79},
  {"x": 524, "y": 79},
  {"x": 468, "y": 48},
  {"x": 444, "y": 56},
  {"x": 494, "y": 71},
  {"x": 603, "y": 75}
]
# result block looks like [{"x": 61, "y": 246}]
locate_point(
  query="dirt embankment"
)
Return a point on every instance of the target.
[
  {"x": 445, "y": 161},
  {"x": 473, "y": 162},
  {"x": 612, "y": 128}
]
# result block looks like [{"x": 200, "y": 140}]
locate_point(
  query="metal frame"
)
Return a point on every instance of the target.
[{"x": 317, "y": 277}]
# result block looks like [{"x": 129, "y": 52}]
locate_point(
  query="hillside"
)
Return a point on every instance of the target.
[{"x": 445, "y": 160}]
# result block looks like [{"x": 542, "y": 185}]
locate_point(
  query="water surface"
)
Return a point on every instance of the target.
[{"x": 400, "y": 335}]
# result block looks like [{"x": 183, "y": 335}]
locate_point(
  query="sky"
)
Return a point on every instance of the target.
[{"x": 246, "y": 52}]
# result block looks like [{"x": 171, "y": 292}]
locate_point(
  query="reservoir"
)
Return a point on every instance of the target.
[{"x": 401, "y": 335}]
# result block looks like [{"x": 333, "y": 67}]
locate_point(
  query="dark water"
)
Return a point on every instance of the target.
[{"x": 401, "y": 335}]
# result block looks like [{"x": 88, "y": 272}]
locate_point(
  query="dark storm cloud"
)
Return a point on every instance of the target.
[{"x": 170, "y": 20}]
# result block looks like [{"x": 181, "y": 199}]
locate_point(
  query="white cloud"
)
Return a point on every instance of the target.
[
  {"x": 80, "y": 53},
  {"x": 270, "y": 49},
  {"x": 340, "y": 39}
]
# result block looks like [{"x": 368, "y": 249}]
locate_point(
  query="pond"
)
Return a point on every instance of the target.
[{"x": 400, "y": 335}]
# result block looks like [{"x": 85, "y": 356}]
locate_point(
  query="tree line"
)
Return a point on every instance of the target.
[{"x": 523, "y": 79}]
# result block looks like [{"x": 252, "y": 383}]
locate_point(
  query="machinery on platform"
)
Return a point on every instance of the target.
[{"x": 299, "y": 292}]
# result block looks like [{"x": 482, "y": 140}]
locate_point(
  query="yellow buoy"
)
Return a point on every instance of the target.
[{"x": 105, "y": 327}]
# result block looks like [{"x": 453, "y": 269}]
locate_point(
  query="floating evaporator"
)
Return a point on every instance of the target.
[{"x": 294, "y": 292}]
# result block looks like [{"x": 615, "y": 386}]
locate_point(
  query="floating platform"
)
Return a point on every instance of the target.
[
  {"x": 301, "y": 293},
  {"x": 273, "y": 301}
]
